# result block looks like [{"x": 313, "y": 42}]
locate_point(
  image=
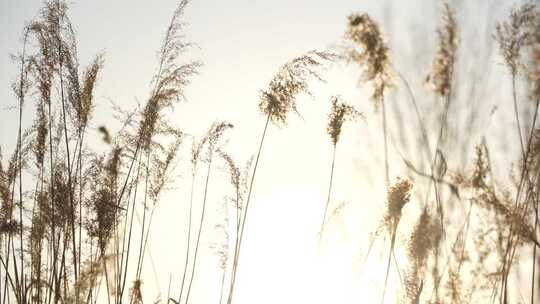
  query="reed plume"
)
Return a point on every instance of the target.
[
  {"x": 374, "y": 60},
  {"x": 170, "y": 79},
  {"x": 513, "y": 37},
  {"x": 443, "y": 64},
  {"x": 398, "y": 196},
  {"x": 340, "y": 112},
  {"x": 422, "y": 242},
  {"x": 373, "y": 57},
  {"x": 279, "y": 99}
]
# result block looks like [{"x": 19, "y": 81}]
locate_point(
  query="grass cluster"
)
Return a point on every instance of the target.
[{"x": 69, "y": 212}]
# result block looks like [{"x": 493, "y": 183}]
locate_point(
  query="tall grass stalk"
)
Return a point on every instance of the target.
[{"x": 340, "y": 112}]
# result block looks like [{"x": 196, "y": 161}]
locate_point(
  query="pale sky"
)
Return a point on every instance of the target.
[{"x": 242, "y": 43}]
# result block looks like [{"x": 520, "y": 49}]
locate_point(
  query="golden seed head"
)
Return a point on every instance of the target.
[
  {"x": 443, "y": 65},
  {"x": 373, "y": 57},
  {"x": 339, "y": 113},
  {"x": 279, "y": 99}
]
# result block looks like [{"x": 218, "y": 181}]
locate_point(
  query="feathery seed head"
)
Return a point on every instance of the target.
[
  {"x": 232, "y": 168},
  {"x": 480, "y": 169},
  {"x": 238, "y": 177},
  {"x": 216, "y": 131},
  {"x": 339, "y": 113},
  {"x": 42, "y": 130},
  {"x": 279, "y": 99},
  {"x": 399, "y": 194},
  {"x": 516, "y": 33},
  {"x": 89, "y": 82},
  {"x": 533, "y": 71},
  {"x": 374, "y": 57},
  {"x": 162, "y": 166},
  {"x": 424, "y": 238},
  {"x": 443, "y": 65},
  {"x": 170, "y": 79}
]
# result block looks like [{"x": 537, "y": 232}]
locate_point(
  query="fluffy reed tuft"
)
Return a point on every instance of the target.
[
  {"x": 105, "y": 200},
  {"x": 443, "y": 65},
  {"x": 339, "y": 113},
  {"x": 170, "y": 79},
  {"x": 422, "y": 242},
  {"x": 41, "y": 126},
  {"x": 279, "y": 99},
  {"x": 238, "y": 178},
  {"x": 90, "y": 77},
  {"x": 513, "y": 35},
  {"x": 398, "y": 195},
  {"x": 363, "y": 31},
  {"x": 162, "y": 165},
  {"x": 208, "y": 142},
  {"x": 533, "y": 69}
]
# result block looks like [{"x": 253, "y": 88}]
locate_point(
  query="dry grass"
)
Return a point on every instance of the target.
[{"x": 67, "y": 210}]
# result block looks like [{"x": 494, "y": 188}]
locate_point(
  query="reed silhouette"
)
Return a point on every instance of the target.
[{"x": 76, "y": 220}]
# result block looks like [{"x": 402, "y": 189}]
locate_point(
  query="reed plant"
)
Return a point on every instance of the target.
[{"x": 76, "y": 221}]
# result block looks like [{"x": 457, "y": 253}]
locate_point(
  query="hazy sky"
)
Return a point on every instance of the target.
[{"x": 242, "y": 43}]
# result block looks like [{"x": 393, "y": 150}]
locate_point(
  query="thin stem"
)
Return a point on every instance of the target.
[
  {"x": 222, "y": 286},
  {"x": 19, "y": 143},
  {"x": 516, "y": 114},
  {"x": 200, "y": 228},
  {"x": 188, "y": 237},
  {"x": 139, "y": 260},
  {"x": 394, "y": 230},
  {"x": 136, "y": 186},
  {"x": 329, "y": 190},
  {"x": 66, "y": 138},
  {"x": 237, "y": 249},
  {"x": 533, "y": 283},
  {"x": 385, "y": 133},
  {"x": 508, "y": 256}
]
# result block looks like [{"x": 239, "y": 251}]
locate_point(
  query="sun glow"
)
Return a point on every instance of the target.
[{"x": 306, "y": 267}]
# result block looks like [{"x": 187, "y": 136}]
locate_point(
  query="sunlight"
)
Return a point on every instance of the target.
[{"x": 309, "y": 270}]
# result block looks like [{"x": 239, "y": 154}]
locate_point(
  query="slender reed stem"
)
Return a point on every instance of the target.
[
  {"x": 243, "y": 220},
  {"x": 127, "y": 255},
  {"x": 200, "y": 230},
  {"x": 222, "y": 286},
  {"x": 188, "y": 242},
  {"x": 509, "y": 250},
  {"x": 19, "y": 148},
  {"x": 516, "y": 114},
  {"x": 139, "y": 260},
  {"x": 385, "y": 134},
  {"x": 329, "y": 190},
  {"x": 533, "y": 276},
  {"x": 392, "y": 242},
  {"x": 68, "y": 155}
]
